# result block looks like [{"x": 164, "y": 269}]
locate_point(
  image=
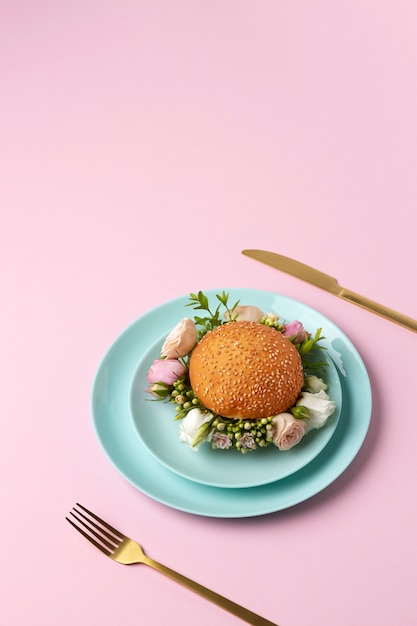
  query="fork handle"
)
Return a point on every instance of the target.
[{"x": 224, "y": 603}]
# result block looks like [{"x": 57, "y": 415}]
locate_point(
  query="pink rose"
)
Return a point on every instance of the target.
[
  {"x": 181, "y": 340},
  {"x": 165, "y": 371},
  {"x": 247, "y": 313},
  {"x": 295, "y": 331},
  {"x": 287, "y": 431}
]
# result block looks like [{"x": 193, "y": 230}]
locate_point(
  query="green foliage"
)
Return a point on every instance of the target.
[
  {"x": 310, "y": 350},
  {"x": 212, "y": 319}
]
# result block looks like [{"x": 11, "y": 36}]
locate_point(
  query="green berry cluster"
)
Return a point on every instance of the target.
[
  {"x": 273, "y": 321},
  {"x": 184, "y": 397},
  {"x": 242, "y": 434}
]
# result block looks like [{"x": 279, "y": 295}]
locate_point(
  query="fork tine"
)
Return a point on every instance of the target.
[
  {"x": 101, "y": 536},
  {"x": 114, "y": 538},
  {"x": 118, "y": 534},
  {"x": 109, "y": 537},
  {"x": 89, "y": 537}
]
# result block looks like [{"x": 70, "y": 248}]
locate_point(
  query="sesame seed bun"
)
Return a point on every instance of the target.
[{"x": 246, "y": 370}]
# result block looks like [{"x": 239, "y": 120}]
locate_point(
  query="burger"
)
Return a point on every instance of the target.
[{"x": 246, "y": 370}]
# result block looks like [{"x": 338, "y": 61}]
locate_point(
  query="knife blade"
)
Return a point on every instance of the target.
[{"x": 329, "y": 284}]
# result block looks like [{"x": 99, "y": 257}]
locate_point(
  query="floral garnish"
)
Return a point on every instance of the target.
[
  {"x": 319, "y": 407},
  {"x": 295, "y": 332},
  {"x": 181, "y": 340},
  {"x": 165, "y": 371},
  {"x": 194, "y": 427},
  {"x": 287, "y": 430},
  {"x": 168, "y": 380},
  {"x": 200, "y": 302}
]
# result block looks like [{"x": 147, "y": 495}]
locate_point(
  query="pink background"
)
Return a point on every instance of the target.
[{"x": 144, "y": 144}]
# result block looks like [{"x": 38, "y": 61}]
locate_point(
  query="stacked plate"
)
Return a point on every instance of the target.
[{"x": 140, "y": 436}]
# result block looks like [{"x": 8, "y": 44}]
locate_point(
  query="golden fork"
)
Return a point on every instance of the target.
[{"x": 120, "y": 548}]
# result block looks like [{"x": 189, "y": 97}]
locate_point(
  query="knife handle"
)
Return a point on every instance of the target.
[{"x": 379, "y": 309}]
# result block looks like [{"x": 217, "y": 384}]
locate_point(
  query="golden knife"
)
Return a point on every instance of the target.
[{"x": 330, "y": 284}]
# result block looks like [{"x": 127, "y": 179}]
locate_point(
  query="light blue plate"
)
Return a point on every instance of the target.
[
  {"x": 116, "y": 432},
  {"x": 155, "y": 425}
]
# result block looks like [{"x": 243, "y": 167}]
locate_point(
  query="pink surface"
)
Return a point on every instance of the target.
[{"x": 143, "y": 146}]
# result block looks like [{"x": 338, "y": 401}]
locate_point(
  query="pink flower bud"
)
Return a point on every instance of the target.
[
  {"x": 295, "y": 331},
  {"x": 165, "y": 371}
]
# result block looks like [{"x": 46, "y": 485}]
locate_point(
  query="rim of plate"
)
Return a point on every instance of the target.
[{"x": 116, "y": 436}]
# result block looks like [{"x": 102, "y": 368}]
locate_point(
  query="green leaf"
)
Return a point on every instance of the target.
[
  {"x": 223, "y": 297},
  {"x": 306, "y": 346},
  {"x": 203, "y": 300}
]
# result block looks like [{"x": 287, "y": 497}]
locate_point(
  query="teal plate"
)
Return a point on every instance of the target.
[
  {"x": 116, "y": 431},
  {"x": 159, "y": 432}
]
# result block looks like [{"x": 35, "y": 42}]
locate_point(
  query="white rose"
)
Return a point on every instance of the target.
[
  {"x": 314, "y": 384},
  {"x": 181, "y": 340},
  {"x": 247, "y": 313},
  {"x": 319, "y": 406},
  {"x": 287, "y": 430},
  {"x": 191, "y": 424}
]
